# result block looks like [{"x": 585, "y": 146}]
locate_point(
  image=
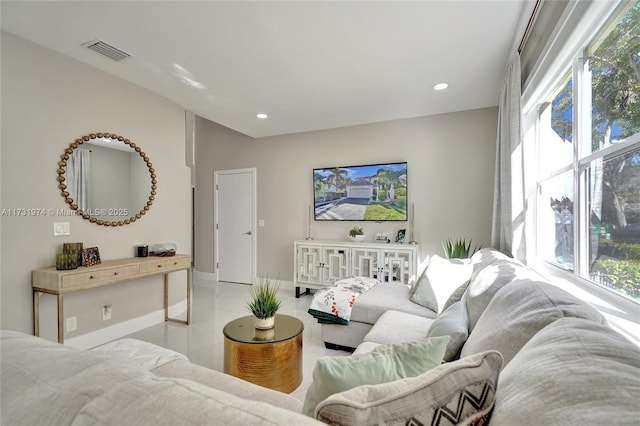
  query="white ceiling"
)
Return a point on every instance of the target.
[{"x": 308, "y": 65}]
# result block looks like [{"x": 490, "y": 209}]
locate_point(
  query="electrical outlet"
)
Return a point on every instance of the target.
[
  {"x": 106, "y": 312},
  {"x": 72, "y": 324}
]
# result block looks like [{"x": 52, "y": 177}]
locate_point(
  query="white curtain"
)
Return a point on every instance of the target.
[
  {"x": 77, "y": 177},
  {"x": 507, "y": 233}
]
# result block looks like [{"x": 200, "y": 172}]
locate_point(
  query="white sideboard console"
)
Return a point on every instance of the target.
[{"x": 321, "y": 263}]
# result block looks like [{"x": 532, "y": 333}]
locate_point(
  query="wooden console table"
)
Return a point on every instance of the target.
[{"x": 59, "y": 283}]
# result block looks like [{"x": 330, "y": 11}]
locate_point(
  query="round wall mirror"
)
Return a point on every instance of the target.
[{"x": 107, "y": 179}]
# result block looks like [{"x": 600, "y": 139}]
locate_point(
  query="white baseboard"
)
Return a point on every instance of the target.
[{"x": 121, "y": 329}]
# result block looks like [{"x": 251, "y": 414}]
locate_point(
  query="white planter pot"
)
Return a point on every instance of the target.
[
  {"x": 357, "y": 238},
  {"x": 265, "y": 323}
]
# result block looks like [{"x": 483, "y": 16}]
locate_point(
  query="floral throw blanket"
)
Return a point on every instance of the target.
[{"x": 332, "y": 305}]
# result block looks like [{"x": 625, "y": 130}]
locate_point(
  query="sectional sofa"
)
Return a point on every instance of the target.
[
  {"x": 518, "y": 351},
  {"x": 561, "y": 364}
]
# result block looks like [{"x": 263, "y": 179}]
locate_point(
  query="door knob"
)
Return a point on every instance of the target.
[{"x": 247, "y": 233}]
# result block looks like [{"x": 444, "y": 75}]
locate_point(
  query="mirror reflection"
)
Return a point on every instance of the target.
[{"x": 107, "y": 179}]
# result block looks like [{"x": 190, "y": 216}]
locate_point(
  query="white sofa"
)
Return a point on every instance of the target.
[{"x": 45, "y": 383}]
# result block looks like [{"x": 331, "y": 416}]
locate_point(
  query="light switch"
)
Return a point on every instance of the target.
[
  {"x": 260, "y": 222},
  {"x": 61, "y": 228}
]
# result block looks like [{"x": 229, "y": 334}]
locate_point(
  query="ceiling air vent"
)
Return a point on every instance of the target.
[{"x": 107, "y": 50}]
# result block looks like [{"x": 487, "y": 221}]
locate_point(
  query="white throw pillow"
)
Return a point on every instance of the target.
[
  {"x": 454, "y": 393},
  {"x": 440, "y": 280}
]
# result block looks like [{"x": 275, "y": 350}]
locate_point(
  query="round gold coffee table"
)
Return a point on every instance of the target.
[{"x": 270, "y": 358}]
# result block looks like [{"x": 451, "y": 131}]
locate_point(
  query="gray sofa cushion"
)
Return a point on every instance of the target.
[
  {"x": 454, "y": 322},
  {"x": 370, "y": 305},
  {"x": 573, "y": 372},
  {"x": 349, "y": 336},
  {"x": 398, "y": 327},
  {"x": 485, "y": 257},
  {"x": 487, "y": 283},
  {"x": 518, "y": 311},
  {"x": 143, "y": 354}
]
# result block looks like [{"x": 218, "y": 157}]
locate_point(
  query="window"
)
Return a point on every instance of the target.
[{"x": 587, "y": 128}]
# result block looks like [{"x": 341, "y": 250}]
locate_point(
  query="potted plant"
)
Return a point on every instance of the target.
[
  {"x": 264, "y": 304},
  {"x": 459, "y": 249},
  {"x": 356, "y": 233}
]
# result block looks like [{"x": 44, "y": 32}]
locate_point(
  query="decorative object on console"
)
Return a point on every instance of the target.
[
  {"x": 163, "y": 249},
  {"x": 77, "y": 188},
  {"x": 66, "y": 261},
  {"x": 459, "y": 249},
  {"x": 142, "y": 251},
  {"x": 356, "y": 234},
  {"x": 412, "y": 225},
  {"x": 264, "y": 304},
  {"x": 309, "y": 237},
  {"x": 400, "y": 236},
  {"x": 383, "y": 237},
  {"x": 74, "y": 248},
  {"x": 91, "y": 256}
]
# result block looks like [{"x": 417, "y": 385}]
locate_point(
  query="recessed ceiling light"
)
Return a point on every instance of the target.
[
  {"x": 440, "y": 86},
  {"x": 261, "y": 116}
]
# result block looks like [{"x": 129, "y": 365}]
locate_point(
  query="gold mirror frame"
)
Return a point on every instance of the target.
[{"x": 62, "y": 169}]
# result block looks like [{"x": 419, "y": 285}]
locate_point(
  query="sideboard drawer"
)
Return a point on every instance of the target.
[
  {"x": 165, "y": 264},
  {"x": 89, "y": 277}
]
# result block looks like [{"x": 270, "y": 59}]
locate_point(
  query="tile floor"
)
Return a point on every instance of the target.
[{"x": 217, "y": 303}]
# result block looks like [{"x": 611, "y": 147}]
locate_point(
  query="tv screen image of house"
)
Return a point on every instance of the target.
[{"x": 374, "y": 192}]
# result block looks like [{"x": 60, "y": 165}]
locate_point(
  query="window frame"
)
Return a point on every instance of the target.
[{"x": 540, "y": 86}]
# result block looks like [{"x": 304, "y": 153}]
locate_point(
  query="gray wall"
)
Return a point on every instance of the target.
[
  {"x": 450, "y": 165},
  {"x": 49, "y": 100}
]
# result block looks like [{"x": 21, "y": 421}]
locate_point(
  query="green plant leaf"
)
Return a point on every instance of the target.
[
  {"x": 458, "y": 249},
  {"x": 264, "y": 302}
]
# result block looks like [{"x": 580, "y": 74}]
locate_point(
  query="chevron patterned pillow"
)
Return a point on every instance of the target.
[{"x": 460, "y": 392}]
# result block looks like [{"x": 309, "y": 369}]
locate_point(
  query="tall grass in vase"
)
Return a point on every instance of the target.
[{"x": 264, "y": 304}]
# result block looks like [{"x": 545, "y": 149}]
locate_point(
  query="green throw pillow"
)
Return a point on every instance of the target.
[{"x": 386, "y": 363}]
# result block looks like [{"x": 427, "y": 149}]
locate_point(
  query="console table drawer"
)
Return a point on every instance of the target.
[
  {"x": 89, "y": 277},
  {"x": 164, "y": 264}
]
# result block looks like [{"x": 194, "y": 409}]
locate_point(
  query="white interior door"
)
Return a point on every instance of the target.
[{"x": 235, "y": 212}]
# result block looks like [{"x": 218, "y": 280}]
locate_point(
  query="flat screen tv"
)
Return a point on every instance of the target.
[{"x": 373, "y": 192}]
